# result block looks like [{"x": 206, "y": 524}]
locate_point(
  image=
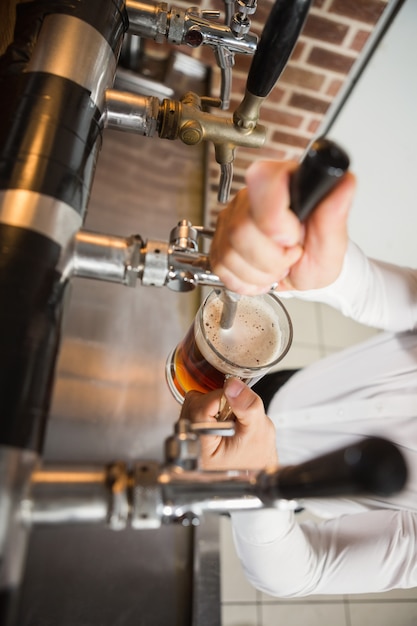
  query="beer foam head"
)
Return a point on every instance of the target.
[{"x": 253, "y": 341}]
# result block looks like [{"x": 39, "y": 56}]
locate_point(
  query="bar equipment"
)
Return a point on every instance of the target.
[
  {"x": 145, "y": 494},
  {"x": 234, "y": 336},
  {"x": 322, "y": 167},
  {"x": 259, "y": 338},
  {"x": 58, "y": 98}
]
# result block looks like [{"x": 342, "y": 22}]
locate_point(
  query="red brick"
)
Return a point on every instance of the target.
[
  {"x": 298, "y": 51},
  {"x": 289, "y": 139},
  {"x": 320, "y": 28},
  {"x": 239, "y": 80},
  {"x": 277, "y": 94},
  {"x": 283, "y": 118},
  {"x": 269, "y": 152},
  {"x": 309, "y": 103},
  {"x": 368, "y": 12},
  {"x": 334, "y": 87},
  {"x": 236, "y": 98},
  {"x": 303, "y": 78},
  {"x": 313, "y": 126},
  {"x": 330, "y": 60},
  {"x": 359, "y": 40},
  {"x": 274, "y": 153}
]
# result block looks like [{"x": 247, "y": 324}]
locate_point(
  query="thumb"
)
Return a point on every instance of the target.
[
  {"x": 328, "y": 222},
  {"x": 246, "y": 405},
  {"x": 326, "y": 239}
]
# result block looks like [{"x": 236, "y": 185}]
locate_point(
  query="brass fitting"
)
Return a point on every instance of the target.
[{"x": 186, "y": 120}]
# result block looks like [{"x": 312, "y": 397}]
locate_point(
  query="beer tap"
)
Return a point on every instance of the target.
[
  {"x": 240, "y": 25},
  {"x": 195, "y": 27},
  {"x": 178, "y": 263},
  {"x": 146, "y": 494},
  {"x": 278, "y": 39},
  {"x": 187, "y": 119}
]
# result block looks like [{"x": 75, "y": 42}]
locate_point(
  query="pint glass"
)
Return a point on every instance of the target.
[{"x": 258, "y": 339}]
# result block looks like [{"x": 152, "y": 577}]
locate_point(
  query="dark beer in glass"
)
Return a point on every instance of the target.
[{"x": 258, "y": 339}]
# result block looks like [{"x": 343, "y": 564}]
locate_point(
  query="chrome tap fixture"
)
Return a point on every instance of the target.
[
  {"x": 177, "y": 263},
  {"x": 187, "y": 118},
  {"x": 146, "y": 494},
  {"x": 194, "y": 27}
]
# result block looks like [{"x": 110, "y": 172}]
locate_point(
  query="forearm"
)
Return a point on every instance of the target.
[
  {"x": 367, "y": 552},
  {"x": 370, "y": 292},
  {"x": 275, "y": 555}
]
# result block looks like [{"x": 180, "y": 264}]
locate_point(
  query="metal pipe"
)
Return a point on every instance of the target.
[
  {"x": 198, "y": 492},
  {"x": 67, "y": 495},
  {"x": 131, "y": 113},
  {"x": 105, "y": 257},
  {"x": 148, "y": 19}
]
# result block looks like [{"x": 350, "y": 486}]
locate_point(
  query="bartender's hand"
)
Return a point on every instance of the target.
[
  {"x": 252, "y": 447},
  {"x": 259, "y": 241}
]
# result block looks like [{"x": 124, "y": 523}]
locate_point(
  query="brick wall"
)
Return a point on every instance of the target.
[{"x": 334, "y": 34}]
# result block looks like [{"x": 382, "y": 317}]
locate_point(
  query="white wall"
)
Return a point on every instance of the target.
[{"x": 378, "y": 127}]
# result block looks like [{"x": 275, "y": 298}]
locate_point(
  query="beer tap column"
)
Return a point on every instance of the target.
[{"x": 52, "y": 79}]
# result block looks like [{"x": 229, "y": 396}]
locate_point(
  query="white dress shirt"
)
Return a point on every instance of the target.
[{"x": 367, "y": 544}]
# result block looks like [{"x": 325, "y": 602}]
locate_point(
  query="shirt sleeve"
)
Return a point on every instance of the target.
[
  {"x": 365, "y": 552},
  {"x": 371, "y": 292}
]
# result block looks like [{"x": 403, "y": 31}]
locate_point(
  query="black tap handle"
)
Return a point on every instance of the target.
[
  {"x": 322, "y": 167},
  {"x": 278, "y": 39},
  {"x": 372, "y": 466}
]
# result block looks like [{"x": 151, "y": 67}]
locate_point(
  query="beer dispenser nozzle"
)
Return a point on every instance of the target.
[{"x": 177, "y": 263}]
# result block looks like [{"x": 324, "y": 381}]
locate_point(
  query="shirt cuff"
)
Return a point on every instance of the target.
[{"x": 343, "y": 291}]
